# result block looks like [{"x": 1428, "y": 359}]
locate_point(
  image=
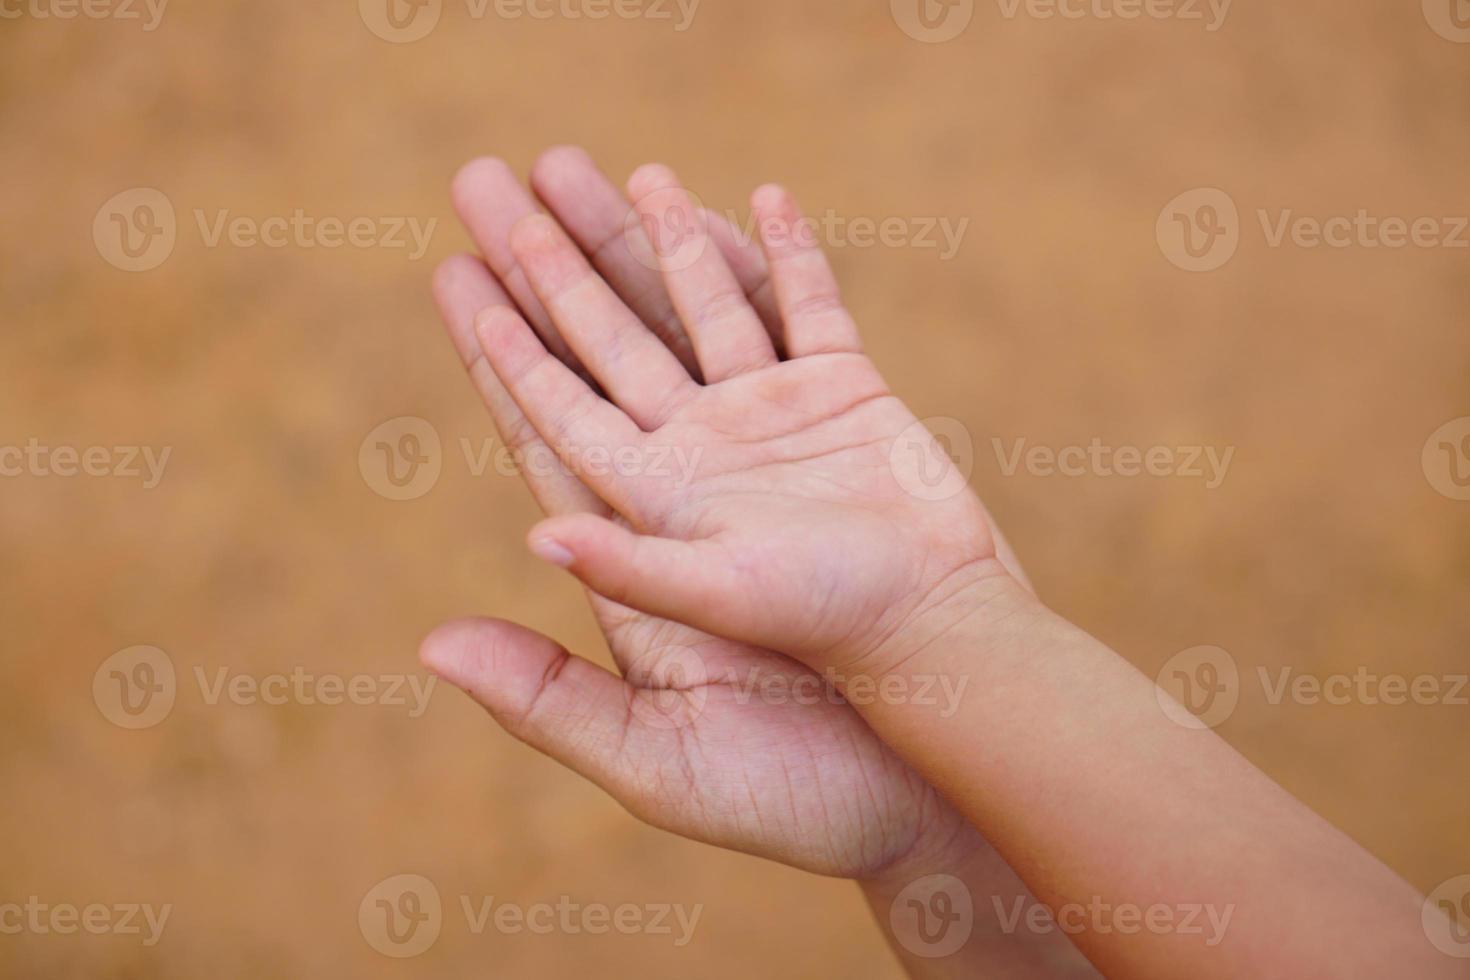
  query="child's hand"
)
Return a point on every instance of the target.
[{"x": 794, "y": 529}]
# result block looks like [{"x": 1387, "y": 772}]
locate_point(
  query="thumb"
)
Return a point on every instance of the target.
[
  {"x": 689, "y": 582},
  {"x": 563, "y": 706}
]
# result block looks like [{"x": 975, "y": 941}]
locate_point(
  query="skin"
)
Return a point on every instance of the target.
[
  {"x": 680, "y": 739},
  {"x": 802, "y": 529},
  {"x": 794, "y": 523}
]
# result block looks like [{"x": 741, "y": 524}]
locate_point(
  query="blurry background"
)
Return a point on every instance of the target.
[{"x": 264, "y": 549}]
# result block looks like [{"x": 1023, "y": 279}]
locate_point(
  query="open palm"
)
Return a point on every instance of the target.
[
  {"x": 719, "y": 741},
  {"x": 799, "y": 526},
  {"x": 807, "y": 515}
]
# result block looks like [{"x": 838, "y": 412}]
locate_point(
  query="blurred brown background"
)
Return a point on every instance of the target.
[{"x": 264, "y": 549}]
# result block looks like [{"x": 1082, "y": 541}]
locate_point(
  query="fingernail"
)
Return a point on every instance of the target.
[{"x": 552, "y": 551}]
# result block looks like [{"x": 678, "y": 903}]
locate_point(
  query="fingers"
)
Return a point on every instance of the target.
[
  {"x": 743, "y": 253},
  {"x": 587, "y": 322},
  {"x": 569, "y": 416},
  {"x": 463, "y": 288},
  {"x": 728, "y": 337},
  {"x": 573, "y": 711},
  {"x": 806, "y": 290},
  {"x": 599, "y": 219},
  {"x": 685, "y": 581},
  {"x": 489, "y": 201},
  {"x": 638, "y": 372}
]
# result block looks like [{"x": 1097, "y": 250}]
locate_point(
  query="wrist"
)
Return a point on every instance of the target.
[
  {"x": 946, "y": 844},
  {"x": 976, "y": 607}
]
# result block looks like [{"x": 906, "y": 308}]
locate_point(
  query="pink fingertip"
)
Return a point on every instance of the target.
[{"x": 552, "y": 551}]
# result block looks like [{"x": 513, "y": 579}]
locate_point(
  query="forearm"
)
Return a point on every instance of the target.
[
  {"x": 962, "y": 916},
  {"x": 1161, "y": 850}
]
